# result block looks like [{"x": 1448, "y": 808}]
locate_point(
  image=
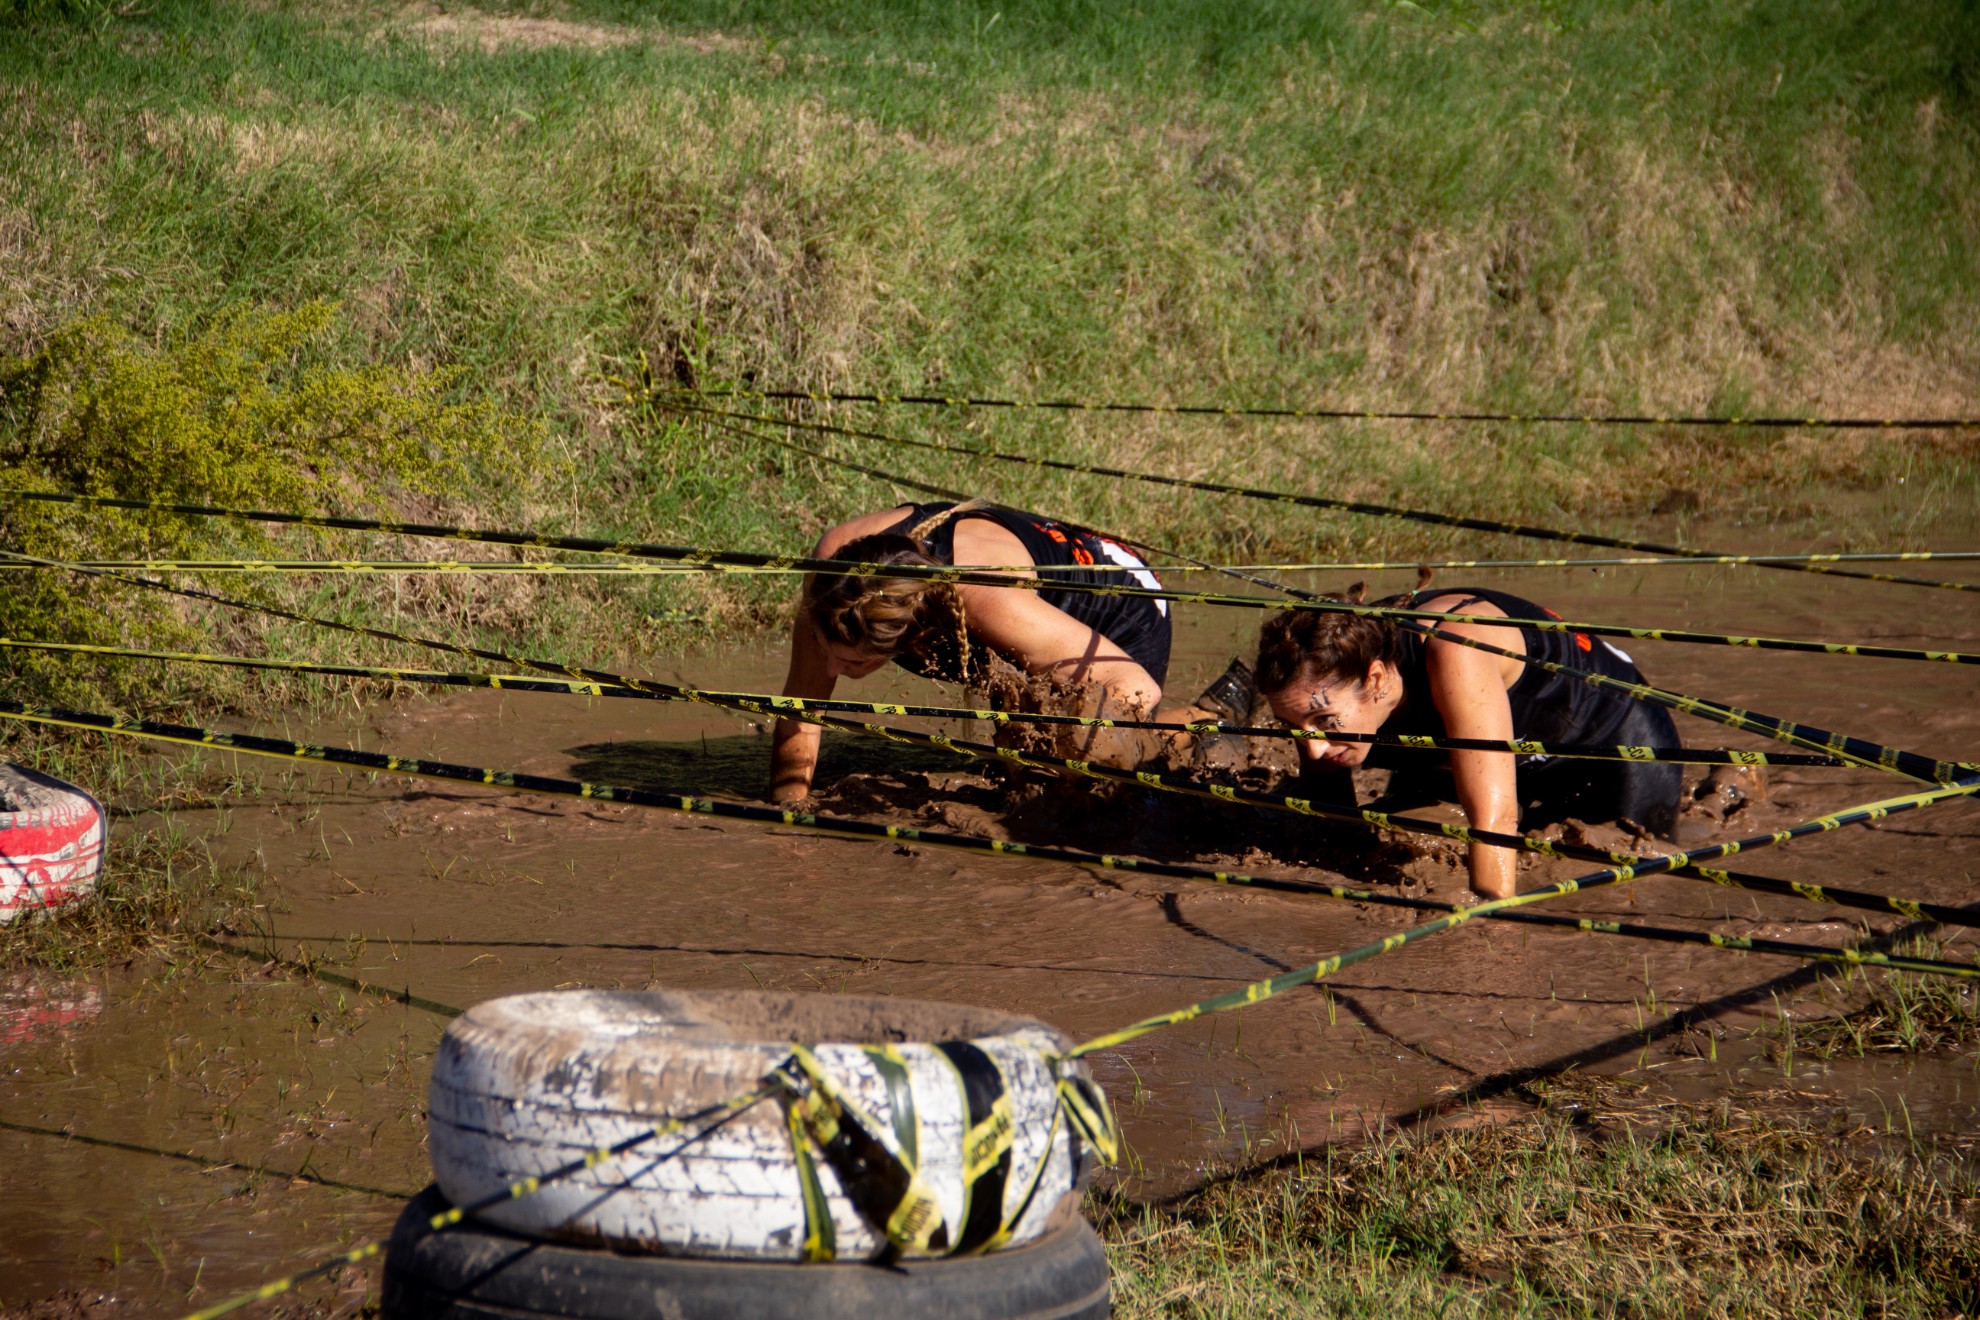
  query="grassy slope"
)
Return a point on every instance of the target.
[{"x": 1683, "y": 205}]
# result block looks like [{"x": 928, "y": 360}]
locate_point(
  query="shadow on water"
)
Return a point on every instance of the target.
[
  {"x": 861, "y": 776},
  {"x": 739, "y": 766}
]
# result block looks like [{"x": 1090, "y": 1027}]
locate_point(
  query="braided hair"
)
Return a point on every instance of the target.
[{"x": 884, "y": 614}]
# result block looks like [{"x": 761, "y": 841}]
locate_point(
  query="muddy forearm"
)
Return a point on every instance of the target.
[
  {"x": 1126, "y": 749},
  {"x": 793, "y": 758},
  {"x": 1487, "y": 792}
]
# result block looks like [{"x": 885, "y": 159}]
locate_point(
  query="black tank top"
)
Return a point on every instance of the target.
[
  {"x": 1137, "y": 625},
  {"x": 1546, "y": 707}
]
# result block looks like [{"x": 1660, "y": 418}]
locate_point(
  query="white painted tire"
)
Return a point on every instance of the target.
[
  {"x": 51, "y": 842},
  {"x": 526, "y": 1084}
]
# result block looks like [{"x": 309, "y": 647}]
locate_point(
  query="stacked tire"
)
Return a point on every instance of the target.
[{"x": 713, "y": 1221}]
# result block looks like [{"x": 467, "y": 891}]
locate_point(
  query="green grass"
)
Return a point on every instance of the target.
[
  {"x": 1495, "y": 205},
  {"x": 1603, "y": 1202}
]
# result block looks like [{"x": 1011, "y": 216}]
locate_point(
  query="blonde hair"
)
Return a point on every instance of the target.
[{"x": 885, "y": 614}]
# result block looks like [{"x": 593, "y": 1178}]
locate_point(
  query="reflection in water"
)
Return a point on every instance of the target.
[{"x": 32, "y": 1011}]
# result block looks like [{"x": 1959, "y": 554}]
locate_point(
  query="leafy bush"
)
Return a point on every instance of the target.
[{"x": 230, "y": 414}]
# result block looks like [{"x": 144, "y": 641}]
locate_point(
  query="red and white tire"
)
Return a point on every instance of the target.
[
  {"x": 51, "y": 842},
  {"x": 529, "y": 1083}
]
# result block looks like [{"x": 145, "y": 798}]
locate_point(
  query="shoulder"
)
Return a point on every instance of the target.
[
  {"x": 1440, "y": 654},
  {"x": 854, "y": 528},
  {"x": 1450, "y": 601},
  {"x": 982, "y": 540}
]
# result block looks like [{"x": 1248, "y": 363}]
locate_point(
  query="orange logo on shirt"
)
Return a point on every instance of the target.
[{"x": 1580, "y": 638}]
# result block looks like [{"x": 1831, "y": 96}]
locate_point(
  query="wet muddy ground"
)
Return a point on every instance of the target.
[{"x": 178, "y": 1130}]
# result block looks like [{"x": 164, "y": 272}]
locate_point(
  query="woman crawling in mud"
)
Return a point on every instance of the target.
[
  {"x": 847, "y": 627},
  {"x": 1337, "y": 672}
]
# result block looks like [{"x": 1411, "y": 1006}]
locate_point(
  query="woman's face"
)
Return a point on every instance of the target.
[
  {"x": 842, "y": 661},
  {"x": 1337, "y": 703}
]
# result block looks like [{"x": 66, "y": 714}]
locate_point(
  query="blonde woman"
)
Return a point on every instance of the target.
[{"x": 848, "y": 627}]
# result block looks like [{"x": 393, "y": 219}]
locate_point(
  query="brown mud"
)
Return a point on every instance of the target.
[{"x": 173, "y": 1131}]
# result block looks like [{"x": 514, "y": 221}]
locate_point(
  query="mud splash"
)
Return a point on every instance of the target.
[{"x": 205, "y": 1124}]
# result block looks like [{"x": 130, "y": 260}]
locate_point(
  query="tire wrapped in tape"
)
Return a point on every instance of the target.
[{"x": 530, "y": 1083}]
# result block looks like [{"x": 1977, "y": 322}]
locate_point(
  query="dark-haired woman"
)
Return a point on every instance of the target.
[
  {"x": 1334, "y": 672},
  {"x": 849, "y": 626}
]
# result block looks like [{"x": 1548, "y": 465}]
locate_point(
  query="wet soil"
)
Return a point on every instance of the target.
[{"x": 174, "y": 1131}]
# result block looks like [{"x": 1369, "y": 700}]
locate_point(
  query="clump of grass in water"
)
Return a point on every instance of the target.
[
  {"x": 1903, "y": 1014},
  {"x": 1675, "y": 1210}
]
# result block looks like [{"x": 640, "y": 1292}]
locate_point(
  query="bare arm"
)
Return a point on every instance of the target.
[
  {"x": 794, "y": 744},
  {"x": 1046, "y": 640},
  {"x": 1469, "y": 689},
  {"x": 1038, "y": 635}
]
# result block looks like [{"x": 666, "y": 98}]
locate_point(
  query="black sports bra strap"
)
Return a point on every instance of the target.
[{"x": 1416, "y": 603}]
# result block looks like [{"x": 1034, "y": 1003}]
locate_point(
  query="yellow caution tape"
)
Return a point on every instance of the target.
[
  {"x": 784, "y": 705},
  {"x": 1259, "y": 991}
]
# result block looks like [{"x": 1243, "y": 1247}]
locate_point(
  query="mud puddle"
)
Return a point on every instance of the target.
[{"x": 229, "y": 1116}]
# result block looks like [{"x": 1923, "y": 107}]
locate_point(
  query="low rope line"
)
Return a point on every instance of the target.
[
  {"x": 781, "y": 704},
  {"x": 1849, "y": 954},
  {"x": 1897, "y": 760},
  {"x": 1259, "y": 991},
  {"x": 1337, "y": 505},
  {"x": 1380, "y": 820},
  {"x": 280, "y": 749},
  {"x": 793, "y": 707},
  {"x": 1337, "y": 414},
  {"x": 1301, "y": 806},
  {"x": 1856, "y": 751},
  {"x": 736, "y": 561},
  {"x": 1376, "y": 819},
  {"x": 722, "y": 1112}
]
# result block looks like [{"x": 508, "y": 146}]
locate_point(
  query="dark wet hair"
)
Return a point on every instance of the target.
[{"x": 1324, "y": 644}]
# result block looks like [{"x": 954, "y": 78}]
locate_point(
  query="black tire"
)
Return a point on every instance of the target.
[{"x": 476, "y": 1272}]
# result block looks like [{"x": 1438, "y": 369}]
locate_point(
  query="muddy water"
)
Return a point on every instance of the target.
[{"x": 229, "y": 1116}]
